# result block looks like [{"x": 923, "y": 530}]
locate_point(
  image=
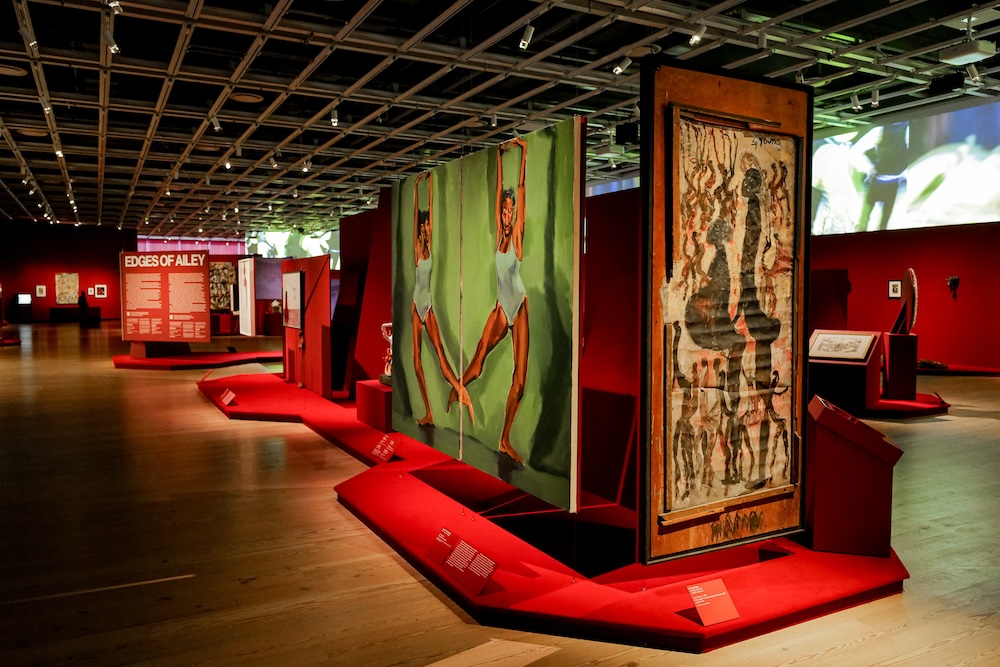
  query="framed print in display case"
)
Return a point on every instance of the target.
[{"x": 849, "y": 345}]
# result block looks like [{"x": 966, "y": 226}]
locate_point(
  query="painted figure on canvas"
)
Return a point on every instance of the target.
[
  {"x": 422, "y": 312},
  {"x": 732, "y": 321},
  {"x": 510, "y": 314}
]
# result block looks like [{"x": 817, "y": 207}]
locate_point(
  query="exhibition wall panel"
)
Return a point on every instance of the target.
[{"x": 959, "y": 330}]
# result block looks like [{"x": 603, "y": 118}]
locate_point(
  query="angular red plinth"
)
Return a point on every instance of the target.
[{"x": 414, "y": 496}]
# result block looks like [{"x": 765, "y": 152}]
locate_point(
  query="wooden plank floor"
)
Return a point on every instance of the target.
[{"x": 139, "y": 526}]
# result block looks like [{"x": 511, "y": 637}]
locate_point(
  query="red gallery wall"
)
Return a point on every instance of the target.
[
  {"x": 33, "y": 255},
  {"x": 307, "y": 350},
  {"x": 376, "y": 306},
  {"x": 611, "y": 291},
  {"x": 960, "y": 331}
]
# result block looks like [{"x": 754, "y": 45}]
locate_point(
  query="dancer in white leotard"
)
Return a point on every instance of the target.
[
  {"x": 423, "y": 317},
  {"x": 511, "y": 310}
]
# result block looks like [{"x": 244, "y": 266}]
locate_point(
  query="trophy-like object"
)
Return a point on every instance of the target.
[{"x": 386, "y": 377}]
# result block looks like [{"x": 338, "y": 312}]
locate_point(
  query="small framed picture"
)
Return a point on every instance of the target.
[
  {"x": 90, "y": 291},
  {"x": 101, "y": 291},
  {"x": 895, "y": 289},
  {"x": 39, "y": 291}
]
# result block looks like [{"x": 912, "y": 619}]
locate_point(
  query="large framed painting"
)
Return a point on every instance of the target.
[
  {"x": 724, "y": 341},
  {"x": 486, "y": 253},
  {"x": 67, "y": 289}
]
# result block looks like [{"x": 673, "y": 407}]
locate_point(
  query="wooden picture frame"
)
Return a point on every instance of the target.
[{"x": 725, "y": 216}]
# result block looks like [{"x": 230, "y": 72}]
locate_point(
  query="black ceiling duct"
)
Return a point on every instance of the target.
[
  {"x": 946, "y": 83},
  {"x": 627, "y": 134}
]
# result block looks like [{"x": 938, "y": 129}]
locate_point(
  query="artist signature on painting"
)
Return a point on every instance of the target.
[{"x": 765, "y": 141}]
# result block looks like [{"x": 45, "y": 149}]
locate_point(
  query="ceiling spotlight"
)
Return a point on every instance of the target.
[
  {"x": 236, "y": 209},
  {"x": 307, "y": 165},
  {"x": 493, "y": 120},
  {"x": 200, "y": 230},
  {"x": 29, "y": 38},
  {"x": 334, "y": 118},
  {"x": 611, "y": 161},
  {"x": 112, "y": 46},
  {"x": 274, "y": 163},
  {"x": 31, "y": 191},
  {"x": 875, "y": 99},
  {"x": 762, "y": 39},
  {"x": 224, "y": 216},
  {"x": 168, "y": 190},
  {"x": 46, "y": 107},
  {"x": 974, "y": 75},
  {"x": 295, "y": 192},
  {"x": 115, "y": 6},
  {"x": 269, "y": 209},
  {"x": 529, "y": 31},
  {"x": 622, "y": 65},
  {"x": 215, "y": 124},
  {"x": 39, "y": 205},
  {"x": 59, "y": 152},
  {"x": 239, "y": 151},
  {"x": 635, "y": 109},
  {"x": 855, "y": 102},
  {"x": 229, "y": 165},
  {"x": 696, "y": 37},
  {"x": 800, "y": 77}
]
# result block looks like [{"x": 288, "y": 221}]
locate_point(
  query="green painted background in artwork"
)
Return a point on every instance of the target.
[{"x": 463, "y": 252}]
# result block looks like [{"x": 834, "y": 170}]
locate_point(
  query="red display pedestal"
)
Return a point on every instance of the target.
[
  {"x": 374, "y": 403},
  {"x": 151, "y": 349},
  {"x": 849, "y": 497},
  {"x": 851, "y": 384},
  {"x": 900, "y": 367},
  {"x": 273, "y": 324}
]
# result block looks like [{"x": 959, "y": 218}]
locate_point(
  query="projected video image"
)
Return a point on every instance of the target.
[
  {"x": 927, "y": 172},
  {"x": 294, "y": 245}
]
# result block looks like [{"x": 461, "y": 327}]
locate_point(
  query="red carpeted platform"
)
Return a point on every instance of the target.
[
  {"x": 197, "y": 360},
  {"x": 525, "y": 561},
  {"x": 9, "y": 341},
  {"x": 925, "y": 405}
]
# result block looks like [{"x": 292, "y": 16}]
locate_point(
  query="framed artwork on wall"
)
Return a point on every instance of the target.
[
  {"x": 39, "y": 291},
  {"x": 101, "y": 291},
  {"x": 67, "y": 288},
  {"x": 90, "y": 291},
  {"x": 724, "y": 292},
  {"x": 291, "y": 299},
  {"x": 895, "y": 289}
]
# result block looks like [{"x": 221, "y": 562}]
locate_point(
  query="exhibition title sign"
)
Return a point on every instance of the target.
[{"x": 165, "y": 296}]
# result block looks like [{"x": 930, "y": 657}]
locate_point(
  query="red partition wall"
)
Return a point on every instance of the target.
[
  {"x": 307, "y": 358},
  {"x": 611, "y": 293},
  {"x": 33, "y": 255},
  {"x": 376, "y": 302},
  {"x": 957, "y": 331}
]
